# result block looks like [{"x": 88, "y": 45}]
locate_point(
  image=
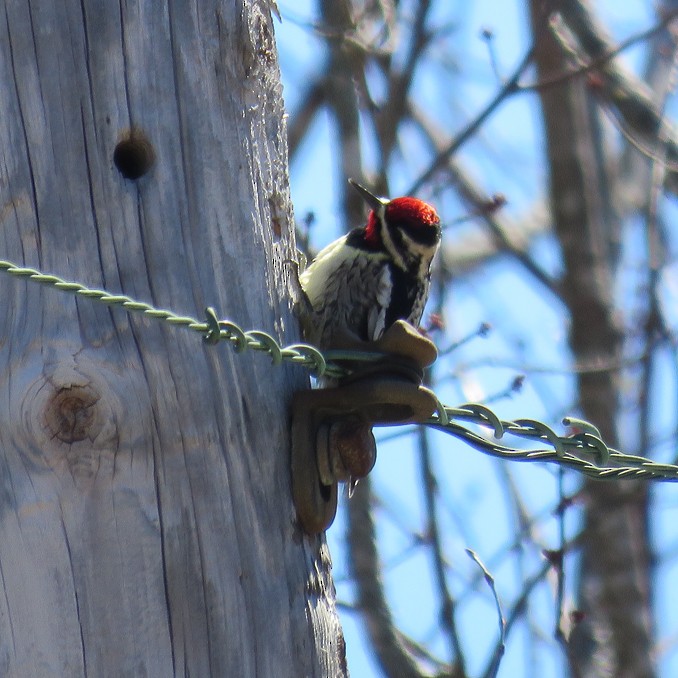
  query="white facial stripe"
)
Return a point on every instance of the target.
[
  {"x": 420, "y": 249},
  {"x": 389, "y": 245}
]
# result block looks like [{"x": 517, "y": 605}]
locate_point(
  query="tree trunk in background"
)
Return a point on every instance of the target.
[
  {"x": 146, "y": 525},
  {"x": 615, "y": 638}
]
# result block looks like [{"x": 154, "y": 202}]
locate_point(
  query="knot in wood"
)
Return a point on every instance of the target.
[{"x": 70, "y": 413}]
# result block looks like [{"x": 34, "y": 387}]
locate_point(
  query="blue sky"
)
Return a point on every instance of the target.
[{"x": 528, "y": 326}]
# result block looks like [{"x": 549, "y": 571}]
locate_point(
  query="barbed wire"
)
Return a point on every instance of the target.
[{"x": 584, "y": 451}]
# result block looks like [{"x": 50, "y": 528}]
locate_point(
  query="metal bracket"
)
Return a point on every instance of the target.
[{"x": 332, "y": 437}]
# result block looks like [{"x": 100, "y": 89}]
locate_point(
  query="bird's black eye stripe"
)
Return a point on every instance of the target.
[{"x": 425, "y": 235}]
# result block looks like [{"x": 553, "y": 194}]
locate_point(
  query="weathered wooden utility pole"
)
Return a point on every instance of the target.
[{"x": 146, "y": 525}]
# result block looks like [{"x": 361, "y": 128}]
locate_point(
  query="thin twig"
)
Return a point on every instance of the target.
[
  {"x": 602, "y": 60},
  {"x": 510, "y": 87},
  {"x": 558, "y": 559},
  {"x": 433, "y": 533},
  {"x": 500, "y": 647}
]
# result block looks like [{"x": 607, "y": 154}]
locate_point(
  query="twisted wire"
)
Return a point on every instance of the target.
[
  {"x": 212, "y": 329},
  {"x": 584, "y": 451}
]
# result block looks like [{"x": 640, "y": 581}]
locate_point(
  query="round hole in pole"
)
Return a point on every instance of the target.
[{"x": 134, "y": 154}]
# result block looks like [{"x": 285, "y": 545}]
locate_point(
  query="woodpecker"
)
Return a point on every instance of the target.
[{"x": 360, "y": 284}]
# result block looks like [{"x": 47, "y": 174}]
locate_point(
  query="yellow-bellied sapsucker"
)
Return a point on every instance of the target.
[{"x": 360, "y": 284}]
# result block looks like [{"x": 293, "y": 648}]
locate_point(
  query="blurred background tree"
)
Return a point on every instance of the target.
[{"x": 543, "y": 134}]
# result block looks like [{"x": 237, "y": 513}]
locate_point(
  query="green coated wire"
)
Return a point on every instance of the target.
[
  {"x": 576, "y": 451},
  {"x": 213, "y": 330}
]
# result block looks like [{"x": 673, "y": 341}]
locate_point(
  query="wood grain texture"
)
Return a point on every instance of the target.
[{"x": 146, "y": 525}]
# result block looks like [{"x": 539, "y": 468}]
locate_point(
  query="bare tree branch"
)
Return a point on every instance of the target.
[
  {"x": 366, "y": 570},
  {"x": 615, "y": 533},
  {"x": 630, "y": 97},
  {"x": 447, "y": 604}
]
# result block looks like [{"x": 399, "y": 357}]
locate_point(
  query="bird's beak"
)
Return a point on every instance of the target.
[{"x": 371, "y": 199}]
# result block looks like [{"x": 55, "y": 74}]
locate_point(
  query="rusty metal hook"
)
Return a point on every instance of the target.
[{"x": 332, "y": 437}]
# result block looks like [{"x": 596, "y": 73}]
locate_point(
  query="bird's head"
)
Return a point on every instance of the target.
[{"x": 407, "y": 228}]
